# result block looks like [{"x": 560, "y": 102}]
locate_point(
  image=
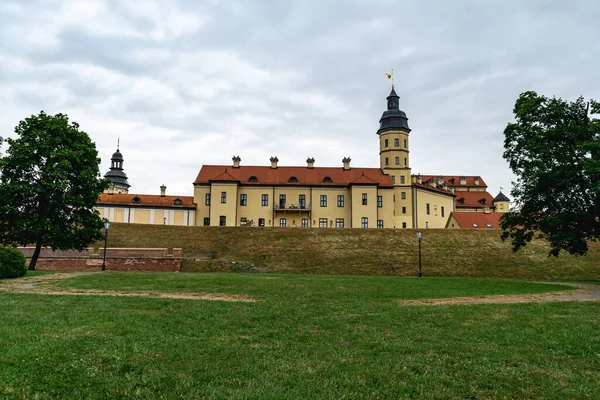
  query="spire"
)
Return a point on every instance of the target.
[
  {"x": 393, "y": 100},
  {"x": 393, "y": 118},
  {"x": 118, "y": 140}
]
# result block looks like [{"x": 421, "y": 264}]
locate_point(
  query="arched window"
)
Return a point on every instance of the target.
[
  {"x": 293, "y": 179},
  {"x": 137, "y": 200},
  {"x": 253, "y": 179},
  {"x": 327, "y": 180},
  {"x": 177, "y": 202}
]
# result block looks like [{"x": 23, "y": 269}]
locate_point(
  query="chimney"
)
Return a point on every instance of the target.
[
  {"x": 440, "y": 179},
  {"x": 476, "y": 180},
  {"x": 445, "y": 186},
  {"x": 419, "y": 179},
  {"x": 310, "y": 161},
  {"x": 236, "y": 161},
  {"x": 163, "y": 190},
  {"x": 346, "y": 161},
  {"x": 274, "y": 161},
  {"x": 463, "y": 180}
]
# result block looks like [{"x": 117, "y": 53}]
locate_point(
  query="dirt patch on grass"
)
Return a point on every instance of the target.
[
  {"x": 584, "y": 292},
  {"x": 43, "y": 285}
]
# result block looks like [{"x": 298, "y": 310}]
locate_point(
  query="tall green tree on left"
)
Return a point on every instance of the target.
[{"x": 49, "y": 183}]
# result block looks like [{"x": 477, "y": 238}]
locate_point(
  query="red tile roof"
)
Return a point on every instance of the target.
[
  {"x": 470, "y": 180},
  {"x": 266, "y": 175},
  {"x": 146, "y": 200},
  {"x": 481, "y": 219},
  {"x": 472, "y": 199},
  {"x": 435, "y": 189}
]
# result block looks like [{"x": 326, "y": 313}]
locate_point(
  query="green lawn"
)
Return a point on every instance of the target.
[{"x": 305, "y": 337}]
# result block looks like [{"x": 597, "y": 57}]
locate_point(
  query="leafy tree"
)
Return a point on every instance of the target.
[
  {"x": 49, "y": 184},
  {"x": 554, "y": 150}
]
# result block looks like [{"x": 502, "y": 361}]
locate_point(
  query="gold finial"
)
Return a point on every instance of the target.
[{"x": 390, "y": 76}]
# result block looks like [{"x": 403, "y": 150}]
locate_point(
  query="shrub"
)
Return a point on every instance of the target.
[{"x": 12, "y": 263}]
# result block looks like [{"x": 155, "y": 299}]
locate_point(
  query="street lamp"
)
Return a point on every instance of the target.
[
  {"x": 106, "y": 226},
  {"x": 419, "y": 236}
]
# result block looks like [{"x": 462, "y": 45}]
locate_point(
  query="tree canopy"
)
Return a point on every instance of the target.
[
  {"x": 553, "y": 148},
  {"x": 49, "y": 184}
]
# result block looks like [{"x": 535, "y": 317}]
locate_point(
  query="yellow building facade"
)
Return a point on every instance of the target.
[{"x": 307, "y": 196}]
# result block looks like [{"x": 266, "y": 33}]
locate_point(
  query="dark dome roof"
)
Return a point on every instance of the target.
[
  {"x": 393, "y": 117},
  {"x": 501, "y": 197},
  {"x": 117, "y": 156}
]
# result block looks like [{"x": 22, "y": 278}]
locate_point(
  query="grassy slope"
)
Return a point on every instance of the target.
[
  {"x": 475, "y": 253},
  {"x": 307, "y": 337}
]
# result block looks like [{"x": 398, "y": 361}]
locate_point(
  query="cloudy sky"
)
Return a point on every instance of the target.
[{"x": 184, "y": 83}]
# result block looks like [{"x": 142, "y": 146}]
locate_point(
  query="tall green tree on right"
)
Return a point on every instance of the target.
[{"x": 553, "y": 148}]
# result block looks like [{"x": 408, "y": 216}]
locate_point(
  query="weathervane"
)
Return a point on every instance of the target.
[{"x": 390, "y": 76}]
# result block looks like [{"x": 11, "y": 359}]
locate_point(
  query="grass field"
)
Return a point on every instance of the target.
[
  {"x": 467, "y": 253},
  {"x": 304, "y": 337}
]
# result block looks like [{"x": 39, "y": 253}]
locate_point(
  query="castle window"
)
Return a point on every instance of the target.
[
  {"x": 403, "y": 210},
  {"x": 393, "y": 179},
  {"x": 387, "y": 161},
  {"x": 380, "y": 224},
  {"x": 177, "y": 202},
  {"x": 223, "y": 197},
  {"x": 405, "y": 143},
  {"x": 428, "y": 209},
  {"x": 403, "y": 195},
  {"x": 137, "y": 200},
  {"x": 264, "y": 201},
  {"x": 322, "y": 222},
  {"x": 327, "y": 180},
  {"x": 206, "y": 221},
  {"x": 339, "y": 222},
  {"x": 323, "y": 200},
  {"x": 293, "y": 179},
  {"x": 364, "y": 222},
  {"x": 443, "y": 211},
  {"x": 253, "y": 179},
  {"x": 397, "y": 142},
  {"x": 364, "y": 199},
  {"x": 404, "y": 225},
  {"x": 222, "y": 220},
  {"x": 261, "y": 222},
  {"x": 341, "y": 200},
  {"x": 386, "y": 143},
  {"x": 243, "y": 221},
  {"x": 305, "y": 222},
  {"x": 397, "y": 160},
  {"x": 379, "y": 201},
  {"x": 207, "y": 199},
  {"x": 243, "y": 199},
  {"x": 402, "y": 180},
  {"x": 282, "y": 222},
  {"x": 405, "y": 161}
]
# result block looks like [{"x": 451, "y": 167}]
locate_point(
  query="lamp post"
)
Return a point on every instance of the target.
[
  {"x": 419, "y": 236},
  {"x": 106, "y": 226}
]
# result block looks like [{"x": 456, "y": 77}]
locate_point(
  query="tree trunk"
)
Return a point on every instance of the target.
[{"x": 36, "y": 254}]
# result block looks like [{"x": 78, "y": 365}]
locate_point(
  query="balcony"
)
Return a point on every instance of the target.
[{"x": 292, "y": 207}]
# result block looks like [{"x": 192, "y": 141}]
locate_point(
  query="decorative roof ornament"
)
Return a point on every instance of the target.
[{"x": 390, "y": 76}]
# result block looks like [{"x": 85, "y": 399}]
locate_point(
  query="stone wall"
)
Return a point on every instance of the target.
[{"x": 117, "y": 259}]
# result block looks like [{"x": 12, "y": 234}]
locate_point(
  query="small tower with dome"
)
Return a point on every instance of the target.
[{"x": 116, "y": 175}]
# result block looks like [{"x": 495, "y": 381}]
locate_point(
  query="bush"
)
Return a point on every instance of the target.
[{"x": 12, "y": 263}]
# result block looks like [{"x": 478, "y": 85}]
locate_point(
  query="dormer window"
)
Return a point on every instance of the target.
[
  {"x": 177, "y": 202},
  {"x": 253, "y": 179},
  {"x": 482, "y": 200},
  {"x": 137, "y": 200},
  {"x": 461, "y": 200},
  {"x": 327, "y": 180},
  {"x": 293, "y": 179}
]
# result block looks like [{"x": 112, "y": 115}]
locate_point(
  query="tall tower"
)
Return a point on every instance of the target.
[
  {"x": 116, "y": 175},
  {"x": 393, "y": 142}
]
